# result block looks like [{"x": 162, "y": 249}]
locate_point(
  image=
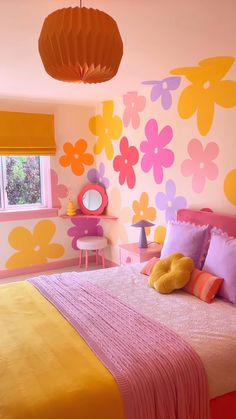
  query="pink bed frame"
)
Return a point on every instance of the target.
[{"x": 223, "y": 407}]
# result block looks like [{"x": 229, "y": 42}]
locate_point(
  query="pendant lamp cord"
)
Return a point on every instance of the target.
[{"x": 80, "y": 3}]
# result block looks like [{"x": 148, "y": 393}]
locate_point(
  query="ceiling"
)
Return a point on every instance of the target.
[{"x": 157, "y": 36}]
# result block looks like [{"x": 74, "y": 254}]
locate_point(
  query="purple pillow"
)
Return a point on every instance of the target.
[
  {"x": 221, "y": 261},
  {"x": 190, "y": 239}
]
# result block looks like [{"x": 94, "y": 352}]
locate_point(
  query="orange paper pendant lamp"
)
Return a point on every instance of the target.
[{"x": 80, "y": 45}]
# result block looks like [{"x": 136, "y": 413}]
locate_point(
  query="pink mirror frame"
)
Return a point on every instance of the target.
[{"x": 103, "y": 205}]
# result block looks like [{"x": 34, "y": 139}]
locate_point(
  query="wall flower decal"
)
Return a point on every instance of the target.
[
  {"x": 162, "y": 89},
  {"x": 76, "y": 157},
  {"x": 97, "y": 176},
  {"x": 169, "y": 202},
  {"x": 58, "y": 190},
  {"x": 33, "y": 248},
  {"x": 206, "y": 90},
  {"x": 156, "y": 156},
  {"x": 200, "y": 166},
  {"x": 142, "y": 211},
  {"x": 107, "y": 128},
  {"x": 160, "y": 234},
  {"x": 84, "y": 227},
  {"x": 124, "y": 163},
  {"x": 230, "y": 186},
  {"x": 134, "y": 104},
  {"x": 117, "y": 232}
]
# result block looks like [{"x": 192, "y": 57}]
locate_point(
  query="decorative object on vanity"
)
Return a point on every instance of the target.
[
  {"x": 92, "y": 199},
  {"x": 171, "y": 273},
  {"x": 132, "y": 253},
  {"x": 70, "y": 209},
  {"x": 91, "y": 243},
  {"x": 80, "y": 45},
  {"x": 142, "y": 238}
]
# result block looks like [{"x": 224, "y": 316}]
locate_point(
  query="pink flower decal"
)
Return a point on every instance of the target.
[
  {"x": 58, "y": 190},
  {"x": 124, "y": 163},
  {"x": 156, "y": 156},
  {"x": 134, "y": 104},
  {"x": 200, "y": 166}
]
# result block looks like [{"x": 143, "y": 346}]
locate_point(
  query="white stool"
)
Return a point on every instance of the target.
[{"x": 88, "y": 243}]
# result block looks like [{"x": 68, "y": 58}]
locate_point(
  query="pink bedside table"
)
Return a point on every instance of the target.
[{"x": 131, "y": 253}]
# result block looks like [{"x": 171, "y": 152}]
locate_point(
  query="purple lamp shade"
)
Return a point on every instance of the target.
[{"x": 142, "y": 238}]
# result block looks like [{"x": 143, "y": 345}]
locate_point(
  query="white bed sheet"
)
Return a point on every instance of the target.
[{"x": 209, "y": 328}]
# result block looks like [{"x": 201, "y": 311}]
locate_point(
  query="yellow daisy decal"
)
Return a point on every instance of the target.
[
  {"x": 143, "y": 212},
  {"x": 33, "y": 248},
  {"x": 117, "y": 232},
  {"x": 206, "y": 90},
  {"x": 107, "y": 128}
]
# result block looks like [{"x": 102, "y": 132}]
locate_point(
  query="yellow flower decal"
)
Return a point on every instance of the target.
[
  {"x": 107, "y": 128},
  {"x": 143, "y": 211},
  {"x": 206, "y": 90},
  {"x": 160, "y": 234},
  {"x": 117, "y": 232},
  {"x": 230, "y": 186},
  {"x": 33, "y": 248}
]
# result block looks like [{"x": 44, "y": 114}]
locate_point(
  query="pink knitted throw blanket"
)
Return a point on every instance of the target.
[{"x": 159, "y": 375}]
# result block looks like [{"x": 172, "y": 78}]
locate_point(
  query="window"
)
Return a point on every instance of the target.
[{"x": 23, "y": 182}]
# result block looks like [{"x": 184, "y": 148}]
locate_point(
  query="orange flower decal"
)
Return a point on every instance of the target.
[
  {"x": 143, "y": 211},
  {"x": 76, "y": 157},
  {"x": 33, "y": 248}
]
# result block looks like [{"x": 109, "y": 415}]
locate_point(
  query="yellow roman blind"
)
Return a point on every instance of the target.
[{"x": 25, "y": 134}]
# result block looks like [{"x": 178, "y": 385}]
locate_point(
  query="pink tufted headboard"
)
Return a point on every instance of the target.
[{"x": 226, "y": 222}]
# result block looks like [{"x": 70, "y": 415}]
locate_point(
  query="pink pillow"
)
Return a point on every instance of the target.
[
  {"x": 190, "y": 239},
  {"x": 203, "y": 285},
  {"x": 148, "y": 267}
]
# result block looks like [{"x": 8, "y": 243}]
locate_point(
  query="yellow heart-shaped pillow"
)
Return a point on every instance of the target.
[{"x": 171, "y": 273}]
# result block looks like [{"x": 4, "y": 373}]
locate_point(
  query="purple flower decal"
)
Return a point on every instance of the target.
[
  {"x": 168, "y": 202},
  {"x": 162, "y": 89},
  {"x": 58, "y": 190},
  {"x": 155, "y": 154},
  {"x": 84, "y": 227},
  {"x": 97, "y": 176}
]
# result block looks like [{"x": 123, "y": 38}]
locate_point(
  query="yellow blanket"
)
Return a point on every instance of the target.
[{"x": 47, "y": 371}]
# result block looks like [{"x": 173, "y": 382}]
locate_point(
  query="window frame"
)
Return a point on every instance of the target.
[{"x": 45, "y": 189}]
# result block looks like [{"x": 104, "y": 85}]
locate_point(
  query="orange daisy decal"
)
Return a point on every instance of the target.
[{"x": 76, "y": 157}]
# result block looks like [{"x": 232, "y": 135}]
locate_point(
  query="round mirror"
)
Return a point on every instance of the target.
[{"x": 92, "y": 199}]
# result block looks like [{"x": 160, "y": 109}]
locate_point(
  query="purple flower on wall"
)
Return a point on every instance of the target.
[
  {"x": 97, "y": 176},
  {"x": 156, "y": 156},
  {"x": 162, "y": 89},
  {"x": 169, "y": 202},
  {"x": 58, "y": 190},
  {"x": 84, "y": 227}
]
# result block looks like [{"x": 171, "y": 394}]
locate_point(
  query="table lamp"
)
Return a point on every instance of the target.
[{"x": 142, "y": 238}]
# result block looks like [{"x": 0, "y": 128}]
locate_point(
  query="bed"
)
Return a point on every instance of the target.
[{"x": 47, "y": 370}]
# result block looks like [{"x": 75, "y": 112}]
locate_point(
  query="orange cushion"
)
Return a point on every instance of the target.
[
  {"x": 148, "y": 267},
  {"x": 203, "y": 285}
]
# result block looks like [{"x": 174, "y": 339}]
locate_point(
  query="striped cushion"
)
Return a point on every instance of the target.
[{"x": 203, "y": 285}]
